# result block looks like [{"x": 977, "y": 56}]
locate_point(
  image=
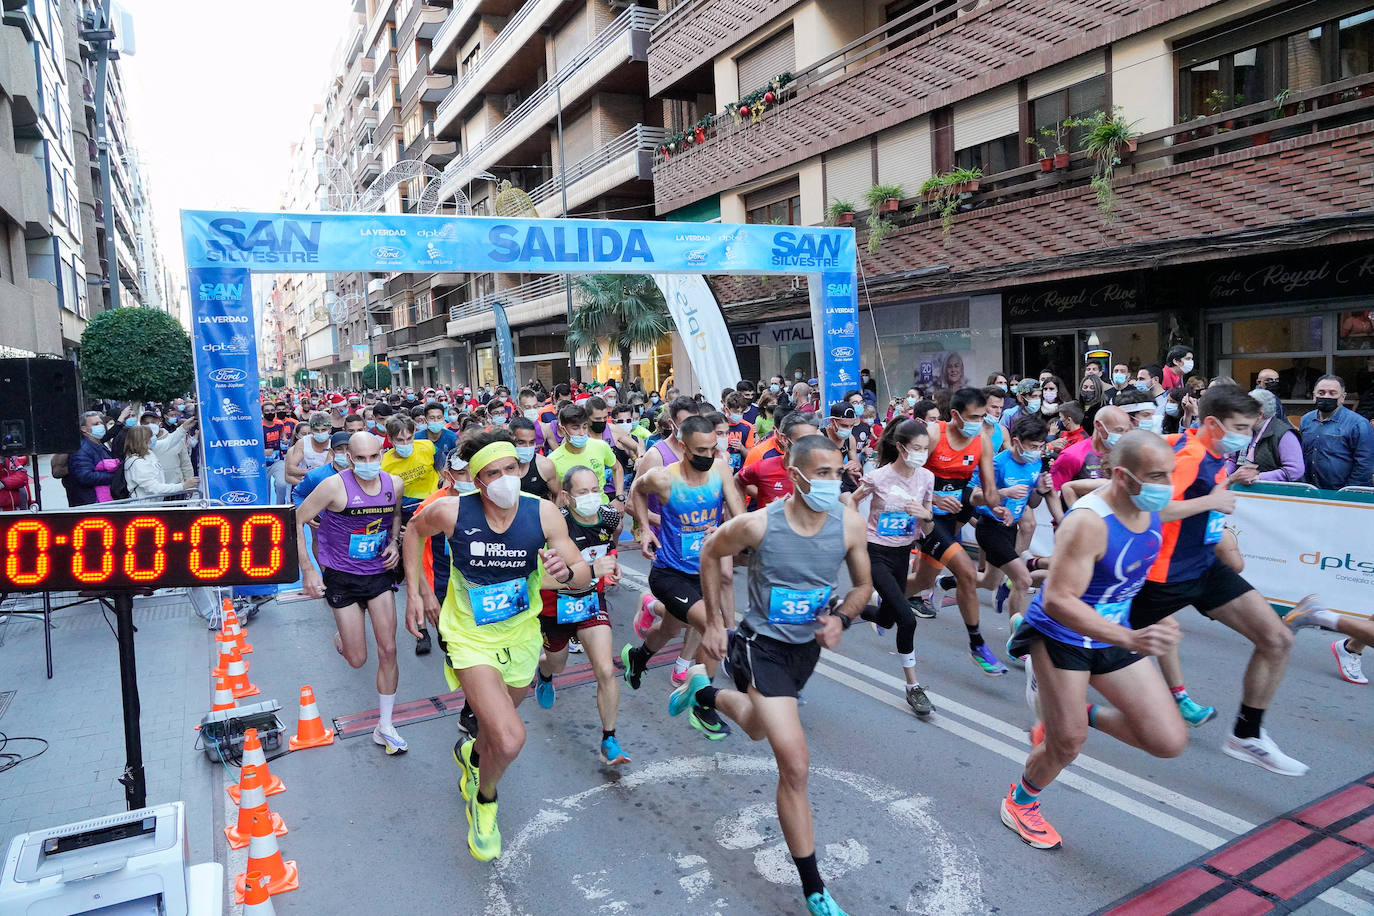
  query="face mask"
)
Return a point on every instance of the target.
[
  {"x": 435, "y": 426},
  {"x": 153, "y": 428},
  {"x": 1033, "y": 405},
  {"x": 701, "y": 463},
  {"x": 1030, "y": 455},
  {"x": 1326, "y": 405},
  {"x": 451, "y": 417},
  {"x": 371, "y": 424},
  {"x": 1271, "y": 385},
  {"x": 131, "y": 422},
  {"x": 842, "y": 434},
  {"x": 410, "y": 397},
  {"x": 677, "y": 434},
  {"x": 587, "y": 505},
  {"x": 504, "y": 491},
  {"x": 598, "y": 426},
  {"x": 653, "y": 399},
  {"x": 577, "y": 441},
  {"x": 1118, "y": 378},
  {"x": 1187, "y": 366},
  {"x": 611, "y": 402},
  {"x": 1233, "y": 442},
  {"x": 989, "y": 419},
  {"x": 524, "y": 453},
  {"x": 321, "y": 438},
  {"x": 1152, "y": 496},
  {"x": 464, "y": 486},
  {"x": 910, "y": 402},
  {"x": 915, "y": 459},
  {"x": 1142, "y": 386},
  {"x": 1148, "y": 424},
  {"x": 823, "y": 494},
  {"x": 1113, "y": 439},
  {"x": 98, "y": 430},
  {"x": 406, "y": 450},
  {"x": 532, "y": 414},
  {"x": 722, "y": 443},
  {"x": 498, "y": 419},
  {"x": 797, "y": 376},
  {"x": 773, "y": 389},
  {"x": 1088, "y": 394},
  {"x": 1049, "y": 397},
  {"x": 623, "y": 424},
  {"x": 367, "y": 470},
  {"x": 341, "y": 460},
  {"x": 736, "y": 418},
  {"x": 972, "y": 428}
]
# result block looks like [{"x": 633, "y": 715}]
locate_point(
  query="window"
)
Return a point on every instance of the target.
[
  {"x": 471, "y": 60},
  {"x": 779, "y": 204},
  {"x": 1355, "y": 44},
  {"x": 761, "y": 63},
  {"x": 1076, "y": 101},
  {"x": 991, "y": 157}
]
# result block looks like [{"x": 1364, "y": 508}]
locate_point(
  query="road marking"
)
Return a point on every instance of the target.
[{"x": 1335, "y": 897}]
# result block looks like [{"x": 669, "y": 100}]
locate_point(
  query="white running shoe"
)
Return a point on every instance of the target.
[
  {"x": 392, "y": 741},
  {"x": 1263, "y": 752},
  {"x": 1348, "y": 663}
]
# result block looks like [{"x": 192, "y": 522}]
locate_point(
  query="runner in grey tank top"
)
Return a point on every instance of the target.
[{"x": 795, "y": 609}]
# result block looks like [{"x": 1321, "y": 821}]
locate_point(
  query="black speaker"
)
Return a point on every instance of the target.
[{"x": 39, "y": 411}]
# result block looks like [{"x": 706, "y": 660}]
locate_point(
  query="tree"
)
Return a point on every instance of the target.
[
  {"x": 376, "y": 376},
  {"x": 627, "y": 309},
  {"x": 136, "y": 354}
]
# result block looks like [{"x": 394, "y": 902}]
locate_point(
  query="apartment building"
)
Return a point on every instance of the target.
[{"x": 1236, "y": 217}]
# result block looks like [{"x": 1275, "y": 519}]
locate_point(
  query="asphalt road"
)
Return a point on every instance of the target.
[{"x": 906, "y": 810}]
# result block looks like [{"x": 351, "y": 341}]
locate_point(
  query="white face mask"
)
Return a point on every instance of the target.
[
  {"x": 915, "y": 459},
  {"x": 1187, "y": 366},
  {"x": 722, "y": 442},
  {"x": 504, "y": 491},
  {"x": 532, "y": 414},
  {"x": 587, "y": 504}
]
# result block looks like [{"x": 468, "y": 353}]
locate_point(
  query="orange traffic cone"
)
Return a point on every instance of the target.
[
  {"x": 252, "y": 802},
  {"x": 253, "y": 756},
  {"x": 238, "y": 678},
  {"x": 256, "y": 899},
  {"x": 310, "y": 731},
  {"x": 224, "y": 697},
  {"x": 234, "y": 629},
  {"x": 227, "y": 653},
  {"x": 264, "y": 856}
]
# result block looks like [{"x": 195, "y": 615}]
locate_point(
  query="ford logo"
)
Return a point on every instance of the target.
[
  {"x": 238, "y": 497},
  {"x": 842, "y": 352},
  {"x": 386, "y": 253},
  {"x": 228, "y": 375}
]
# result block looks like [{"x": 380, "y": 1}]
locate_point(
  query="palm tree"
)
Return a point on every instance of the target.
[{"x": 626, "y": 308}]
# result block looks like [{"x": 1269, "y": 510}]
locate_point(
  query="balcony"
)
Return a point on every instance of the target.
[
  {"x": 359, "y": 82},
  {"x": 354, "y": 45},
  {"x": 616, "y": 52},
  {"x": 501, "y": 64},
  {"x": 886, "y": 78},
  {"x": 430, "y": 86},
  {"x": 444, "y": 49},
  {"x": 426, "y": 148},
  {"x": 625, "y": 159},
  {"x": 384, "y": 13},
  {"x": 424, "y": 19},
  {"x": 435, "y": 328},
  {"x": 692, "y": 32},
  {"x": 541, "y": 299}
]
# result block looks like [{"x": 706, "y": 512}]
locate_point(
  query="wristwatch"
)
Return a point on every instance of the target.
[{"x": 620, "y": 496}]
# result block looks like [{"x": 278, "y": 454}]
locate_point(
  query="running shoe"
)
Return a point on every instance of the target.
[
  {"x": 1193, "y": 713},
  {"x": 467, "y": 721},
  {"x": 918, "y": 701},
  {"x": 645, "y": 618},
  {"x": 709, "y": 722},
  {"x": 823, "y": 904},
  {"x": 1028, "y": 823},
  {"x": 1032, "y": 688},
  {"x": 393, "y": 742},
  {"x": 1301, "y": 615},
  {"x": 948, "y": 583},
  {"x": 1348, "y": 663},
  {"x": 685, "y": 696},
  {"x": 985, "y": 660},
  {"x": 1001, "y": 595},
  {"x": 921, "y": 607},
  {"x": 1017, "y": 660},
  {"x": 679, "y": 675},
  {"x": 338, "y": 643},
  {"x": 543, "y": 690},
  {"x": 1037, "y": 733},
  {"x": 484, "y": 837},
  {"x": 632, "y": 674},
  {"x": 467, "y": 780},
  {"x": 611, "y": 753},
  {"x": 575, "y": 646},
  {"x": 424, "y": 644},
  {"x": 1264, "y": 753}
]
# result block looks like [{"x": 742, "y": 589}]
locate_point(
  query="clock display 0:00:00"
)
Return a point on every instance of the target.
[{"x": 149, "y": 548}]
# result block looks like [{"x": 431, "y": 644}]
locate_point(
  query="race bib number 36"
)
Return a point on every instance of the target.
[
  {"x": 795, "y": 606},
  {"x": 576, "y": 610},
  {"x": 498, "y": 602}
]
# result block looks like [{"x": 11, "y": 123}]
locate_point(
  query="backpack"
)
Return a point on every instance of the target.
[{"x": 119, "y": 487}]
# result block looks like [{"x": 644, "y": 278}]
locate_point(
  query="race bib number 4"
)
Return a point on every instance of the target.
[
  {"x": 576, "y": 610},
  {"x": 896, "y": 525},
  {"x": 498, "y": 602},
  {"x": 791, "y": 606},
  {"x": 691, "y": 543}
]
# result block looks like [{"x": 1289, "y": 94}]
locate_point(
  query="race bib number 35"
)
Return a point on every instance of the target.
[
  {"x": 795, "y": 606},
  {"x": 498, "y": 602}
]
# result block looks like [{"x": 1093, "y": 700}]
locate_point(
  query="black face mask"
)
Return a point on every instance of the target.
[
  {"x": 1327, "y": 405},
  {"x": 1272, "y": 385},
  {"x": 598, "y": 426},
  {"x": 701, "y": 463}
]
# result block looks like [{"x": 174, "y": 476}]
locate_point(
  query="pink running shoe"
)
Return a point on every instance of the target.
[
  {"x": 645, "y": 618},
  {"x": 680, "y": 677}
]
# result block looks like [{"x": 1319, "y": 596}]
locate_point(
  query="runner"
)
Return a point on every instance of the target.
[
  {"x": 488, "y": 621},
  {"x": 309, "y": 451},
  {"x": 1022, "y": 484},
  {"x": 768, "y": 479},
  {"x": 582, "y": 612},
  {"x": 357, "y": 548},
  {"x": 413, "y": 461},
  {"x": 1075, "y": 636},
  {"x": 694, "y": 496},
  {"x": 581, "y": 450},
  {"x": 958, "y": 448},
  {"x": 1356, "y": 633},
  {"x": 538, "y": 476},
  {"x": 901, "y": 490},
  {"x": 797, "y": 548}
]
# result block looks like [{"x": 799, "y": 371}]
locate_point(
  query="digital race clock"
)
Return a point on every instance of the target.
[{"x": 146, "y": 548}]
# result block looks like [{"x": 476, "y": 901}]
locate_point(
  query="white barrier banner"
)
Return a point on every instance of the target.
[
  {"x": 698, "y": 319},
  {"x": 1300, "y": 545}
]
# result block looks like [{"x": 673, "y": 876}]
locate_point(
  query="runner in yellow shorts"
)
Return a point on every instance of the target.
[{"x": 501, "y": 543}]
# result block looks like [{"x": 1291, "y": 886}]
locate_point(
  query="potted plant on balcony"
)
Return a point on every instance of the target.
[
  {"x": 1108, "y": 136},
  {"x": 1058, "y": 132},
  {"x": 1046, "y": 160},
  {"x": 946, "y": 191},
  {"x": 1281, "y": 109},
  {"x": 840, "y": 213},
  {"x": 882, "y": 199}
]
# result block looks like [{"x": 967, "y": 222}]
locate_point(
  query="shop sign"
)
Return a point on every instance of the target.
[{"x": 1088, "y": 299}]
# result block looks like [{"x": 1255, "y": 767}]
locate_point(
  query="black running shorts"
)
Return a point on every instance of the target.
[
  {"x": 344, "y": 588},
  {"x": 1067, "y": 657},
  {"x": 677, "y": 590},
  {"x": 1219, "y": 585},
  {"x": 772, "y": 667},
  {"x": 997, "y": 540}
]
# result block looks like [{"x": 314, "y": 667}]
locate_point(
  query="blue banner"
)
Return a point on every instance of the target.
[
  {"x": 835, "y": 326},
  {"x": 505, "y": 348},
  {"x": 224, "y": 343}
]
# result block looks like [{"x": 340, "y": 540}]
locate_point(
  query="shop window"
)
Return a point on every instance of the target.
[{"x": 991, "y": 157}]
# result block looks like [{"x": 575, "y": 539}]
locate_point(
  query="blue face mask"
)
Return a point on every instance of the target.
[
  {"x": 341, "y": 460},
  {"x": 1033, "y": 405},
  {"x": 524, "y": 453},
  {"x": 773, "y": 389},
  {"x": 911, "y": 402},
  {"x": 498, "y": 419},
  {"x": 823, "y": 494},
  {"x": 405, "y": 450},
  {"x": 1233, "y": 442},
  {"x": 131, "y": 422},
  {"x": 98, "y": 430},
  {"x": 321, "y": 438},
  {"x": 367, "y": 470},
  {"x": 1152, "y": 496},
  {"x": 1142, "y": 386},
  {"x": 1113, "y": 439},
  {"x": 736, "y": 418},
  {"x": 971, "y": 428},
  {"x": 989, "y": 419},
  {"x": 577, "y": 441},
  {"x": 436, "y": 426},
  {"x": 371, "y": 424},
  {"x": 1118, "y": 378}
]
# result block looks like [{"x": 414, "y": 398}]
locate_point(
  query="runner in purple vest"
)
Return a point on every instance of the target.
[{"x": 356, "y": 544}]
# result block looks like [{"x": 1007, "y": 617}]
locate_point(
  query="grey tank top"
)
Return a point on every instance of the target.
[{"x": 791, "y": 576}]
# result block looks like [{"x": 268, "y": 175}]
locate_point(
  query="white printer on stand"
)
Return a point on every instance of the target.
[{"x": 129, "y": 863}]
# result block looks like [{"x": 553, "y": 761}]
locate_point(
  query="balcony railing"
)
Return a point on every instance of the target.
[
  {"x": 450, "y": 107},
  {"x": 638, "y": 138},
  {"x": 635, "y": 18},
  {"x": 525, "y": 292},
  {"x": 453, "y": 25}
]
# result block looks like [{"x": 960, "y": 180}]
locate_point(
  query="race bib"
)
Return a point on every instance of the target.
[
  {"x": 691, "y": 543},
  {"x": 791, "y": 606},
  {"x": 498, "y": 602},
  {"x": 366, "y": 546},
  {"x": 576, "y": 610},
  {"x": 1116, "y": 611},
  {"x": 896, "y": 525},
  {"x": 1216, "y": 524}
]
